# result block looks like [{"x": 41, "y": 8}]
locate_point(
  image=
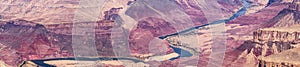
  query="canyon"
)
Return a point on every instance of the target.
[{"x": 233, "y": 33}]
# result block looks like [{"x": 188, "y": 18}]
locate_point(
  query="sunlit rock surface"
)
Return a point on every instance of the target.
[{"x": 287, "y": 58}]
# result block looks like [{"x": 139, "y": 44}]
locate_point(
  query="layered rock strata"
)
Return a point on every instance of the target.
[
  {"x": 287, "y": 17},
  {"x": 275, "y": 40},
  {"x": 289, "y": 58}
]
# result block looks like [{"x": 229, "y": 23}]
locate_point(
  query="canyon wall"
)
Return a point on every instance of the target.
[
  {"x": 273, "y": 41},
  {"x": 295, "y": 5},
  {"x": 288, "y": 16},
  {"x": 269, "y": 35}
]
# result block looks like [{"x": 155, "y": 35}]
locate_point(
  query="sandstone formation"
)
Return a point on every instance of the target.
[
  {"x": 266, "y": 42},
  {"x": 284, "y": 48},
  {"x": 289, "y": 58},
  {"x": 285, "y": 34},
  {"x": 275, "y": 40}
]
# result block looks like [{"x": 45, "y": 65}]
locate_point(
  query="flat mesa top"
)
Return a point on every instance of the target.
[
  {"x": 291, "y": 56},
  {"x": 295, "y": 28}
]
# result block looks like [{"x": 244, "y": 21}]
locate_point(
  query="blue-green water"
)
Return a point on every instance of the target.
[{"x": 184, "y": 53}]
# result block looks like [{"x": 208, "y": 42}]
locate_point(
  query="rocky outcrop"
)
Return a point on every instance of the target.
[
  {"x": 265, "y": 42},
  {"x": 280, "y": 43},
  {"x": 144, "y": 35},
  {"x": 274, "y": 64},
  {"x": 271, "y": 41},
  {"x": 289, "y": 58},
  {"x": 295, "y": 5},
  {"x": 24, "y": 40},
  {"x": 101, "y": 27},
  {"x": 112, "y": 13},
  {"x": 262, "y": 36}
]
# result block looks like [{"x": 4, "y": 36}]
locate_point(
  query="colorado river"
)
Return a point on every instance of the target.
[
  {"x": 43, "y": 64},
  {"x": 241, "y": 12},
  {"x": 181, "y": 52}
]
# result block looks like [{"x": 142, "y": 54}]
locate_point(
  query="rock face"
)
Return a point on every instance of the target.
[
  {"x": 23, "y": 40},
  {"x": 289, "y": 58},
  {"x": 287, "y": 17},
  {"x": 269, "y": 35},
  {"x": 265, "y": 42},
  {"x": 146, "y": 31},
  {"x": 280, "y": 43},
  {"x": 272, "y": 41},
  {"x": 295, "y": 5},
  {"x": 192, "y": 8}
]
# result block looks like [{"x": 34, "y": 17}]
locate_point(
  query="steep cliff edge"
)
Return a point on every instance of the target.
[
  {"x": 275, "y": 40},
  {"x": 272, "y": 40},
  {"x": 289, "y": 58},
  {"x": 24, "y": 40},
  {"x": 266, "y": 42}
]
